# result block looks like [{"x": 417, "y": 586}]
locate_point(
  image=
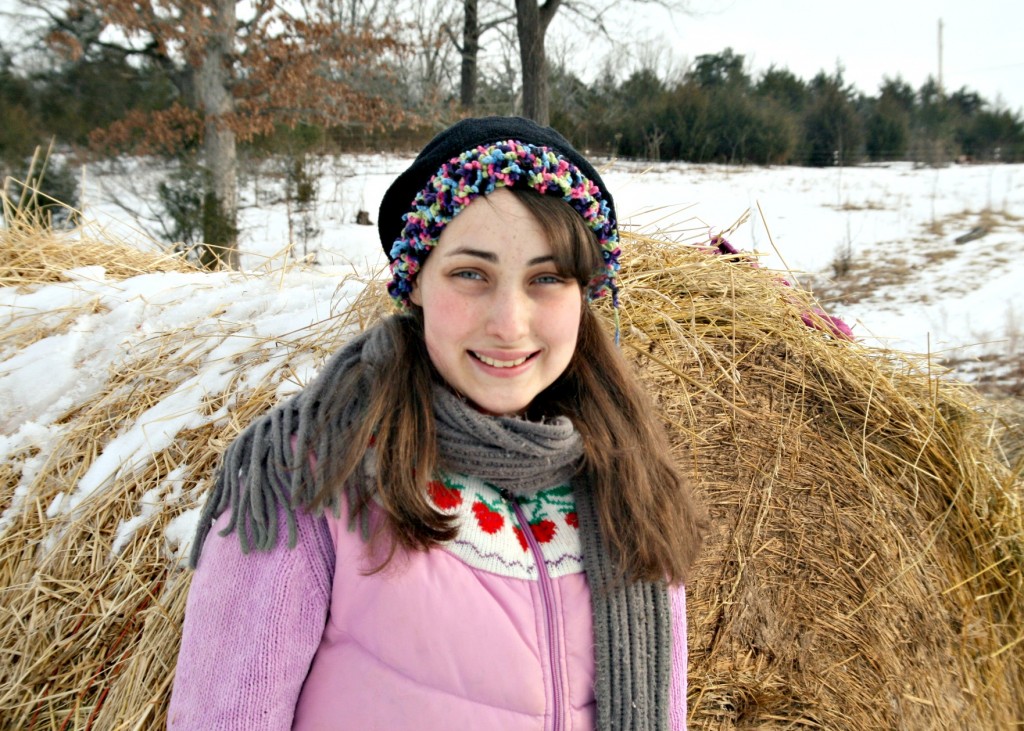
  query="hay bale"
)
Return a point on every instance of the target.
[
  {"x": 34, "y": 254},
  {"x": 865, "y": 566},
  {"x": 864, "y": 571}
]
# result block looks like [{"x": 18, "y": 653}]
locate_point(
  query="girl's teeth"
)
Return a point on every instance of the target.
[{"x": 501, "y": 363}]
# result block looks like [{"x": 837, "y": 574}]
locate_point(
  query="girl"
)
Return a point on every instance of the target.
[{"x": 484, "y": 528}]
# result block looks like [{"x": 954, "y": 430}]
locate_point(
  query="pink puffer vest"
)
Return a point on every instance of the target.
[{"x": 470, "y": 635}]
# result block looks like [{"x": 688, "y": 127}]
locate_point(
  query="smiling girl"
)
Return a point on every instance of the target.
[{"x": 484, "y": 526}]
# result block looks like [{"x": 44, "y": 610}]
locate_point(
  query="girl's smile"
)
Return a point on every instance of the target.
[{"x": 500, "y": 320}]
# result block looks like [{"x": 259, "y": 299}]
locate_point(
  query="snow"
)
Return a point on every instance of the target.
[
  {"x": 914, "y": 289},
  {"x": 801, "y": 219}
]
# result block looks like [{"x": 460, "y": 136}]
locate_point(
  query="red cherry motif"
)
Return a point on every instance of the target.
[
  {"x": 488, "y": 520},
  {"x": 572, "y": 519},
  {"x": 543, "y": 531},
  {"x": 443, "y": 496}
]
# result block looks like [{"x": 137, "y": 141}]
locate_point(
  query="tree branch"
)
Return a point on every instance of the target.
[
  {"x": 590, "y": 14},
  {"x": 547, "y": 13},
  {"x": 492, "y": 24},
  {"x": 453, "y": 38}
]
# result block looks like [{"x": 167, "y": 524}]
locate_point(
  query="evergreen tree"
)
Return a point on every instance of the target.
[
  {"x": 571, "y": 102},
  {"x": 640, "y": 98},
  {"x": 887, "y": 129},
  {"x": 831, "y": 127},
  {"x": 992, "y": 136},
  {"x": 18, "y": 125},
  {"x": 932, "y": 133},
  {"x": 81, "y": 95},
  {"x": 784, "y": 88},
  {"x": 720, "y": 71}
]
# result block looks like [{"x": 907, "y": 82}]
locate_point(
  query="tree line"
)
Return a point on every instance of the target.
[
  {"x": 716, "y": 112},
  {"x": 195, "y": 82}
]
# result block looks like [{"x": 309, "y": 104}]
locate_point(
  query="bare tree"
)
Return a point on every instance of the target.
[
  {"x": 474, "y": 25},
  {"x": 237, "y": 76},
  {"x": 217, "y": 105},
  {"x": 469, "y": 50},
  {"x": 532, "y": 22},
  {"x": 429, "y": 34}
]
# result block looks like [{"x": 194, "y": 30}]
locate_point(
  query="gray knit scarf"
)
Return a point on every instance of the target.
[{"x": 632, "y": 621}]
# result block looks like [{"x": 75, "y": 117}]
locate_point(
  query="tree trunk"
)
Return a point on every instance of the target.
[
  {"x": 470, "y": 51},
  {"x": 220, "y": 219},
  {"x": 532, "y": 22}
]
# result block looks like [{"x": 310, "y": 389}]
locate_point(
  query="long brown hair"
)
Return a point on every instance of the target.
[{"x": 649, "y": 519}]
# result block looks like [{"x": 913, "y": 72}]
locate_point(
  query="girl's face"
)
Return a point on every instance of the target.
[{"x": 500, "y": 322}]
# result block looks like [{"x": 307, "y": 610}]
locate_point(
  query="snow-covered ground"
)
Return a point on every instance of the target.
[{"x": 909, "y": 285}]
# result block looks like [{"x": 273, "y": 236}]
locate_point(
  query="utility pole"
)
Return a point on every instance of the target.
[{"x": 940, "y": 58}]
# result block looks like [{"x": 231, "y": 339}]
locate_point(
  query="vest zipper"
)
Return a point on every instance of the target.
[{"x": 547, "y": 599}]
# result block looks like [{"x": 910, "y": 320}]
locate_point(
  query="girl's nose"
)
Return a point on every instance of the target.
[{"x": 509, "y": 315}]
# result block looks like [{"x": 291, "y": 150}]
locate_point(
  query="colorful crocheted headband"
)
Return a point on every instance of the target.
[{"x": 479, "y": 170}]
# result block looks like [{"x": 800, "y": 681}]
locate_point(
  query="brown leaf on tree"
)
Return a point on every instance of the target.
[{"x": 162, "y": 132}]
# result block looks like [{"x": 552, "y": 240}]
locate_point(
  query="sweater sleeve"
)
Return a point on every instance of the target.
[
  {"x": 680, "y": 658},
  {"x": 252, "y": 625}
]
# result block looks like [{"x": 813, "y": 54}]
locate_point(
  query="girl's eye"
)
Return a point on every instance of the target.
[
  {"x": 467, "y": 274},
  {"x": 549, "y": 279}
]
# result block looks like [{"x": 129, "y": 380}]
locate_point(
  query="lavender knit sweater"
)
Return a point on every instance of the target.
[{"x": 252, "y": 625}]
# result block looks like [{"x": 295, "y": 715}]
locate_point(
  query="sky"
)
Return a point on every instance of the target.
[
  {"x": 981, "y": 45},
  {"x": 871, "y": 39}
]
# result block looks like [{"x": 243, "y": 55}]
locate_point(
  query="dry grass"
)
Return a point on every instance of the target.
[
  {"x": 900, "y": 264},
  {"x": 859, "y": 278},
  {"x": 864, "y": 571},
  {"x": 937, "y": 256},
  {"x": 34, "y": 253},
  {"x": 869, "y": 205}
]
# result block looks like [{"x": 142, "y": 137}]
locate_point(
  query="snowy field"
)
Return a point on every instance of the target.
[
  {"x": 890, "y": 232},
  {"x": 907, "y": 284}
]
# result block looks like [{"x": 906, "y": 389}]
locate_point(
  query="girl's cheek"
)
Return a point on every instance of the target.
[{"x": 447, "y": 303}]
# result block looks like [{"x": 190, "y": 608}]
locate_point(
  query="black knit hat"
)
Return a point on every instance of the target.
[
  {"x": 472, "y": 158},
  {"x": 460, "y": 137}
]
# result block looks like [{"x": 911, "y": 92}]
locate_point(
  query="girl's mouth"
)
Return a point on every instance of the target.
[{"x": 496, "y": 363}]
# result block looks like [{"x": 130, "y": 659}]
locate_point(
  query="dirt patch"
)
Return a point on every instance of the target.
[
  {"x": 865, "y": 206},
  {"x": 933, "y": 257}
]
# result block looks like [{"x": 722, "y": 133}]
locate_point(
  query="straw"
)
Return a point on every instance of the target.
[{"x": 865, "y": 564}]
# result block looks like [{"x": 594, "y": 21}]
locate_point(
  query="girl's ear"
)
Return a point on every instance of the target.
[{"x": 414, "y": 294}]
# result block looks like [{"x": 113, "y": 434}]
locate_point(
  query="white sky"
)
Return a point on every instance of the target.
[
  {"x": 982, "y": 46},
  {"x": 982, "y": 39}
]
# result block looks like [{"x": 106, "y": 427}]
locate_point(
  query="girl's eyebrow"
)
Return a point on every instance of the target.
[
  {"x": 478, "y": 253},
  {"x": 490, "y": 256}
]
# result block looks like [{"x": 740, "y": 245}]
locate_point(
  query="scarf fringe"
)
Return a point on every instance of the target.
[{"x": 274, "y": 473}]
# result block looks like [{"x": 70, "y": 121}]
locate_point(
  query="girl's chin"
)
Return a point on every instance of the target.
[
  {"x": 496, "y": 410},
  {"x": 492, "y": 408}
]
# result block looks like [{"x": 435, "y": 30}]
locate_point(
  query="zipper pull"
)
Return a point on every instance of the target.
[{"x": 507, "y": 495}]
